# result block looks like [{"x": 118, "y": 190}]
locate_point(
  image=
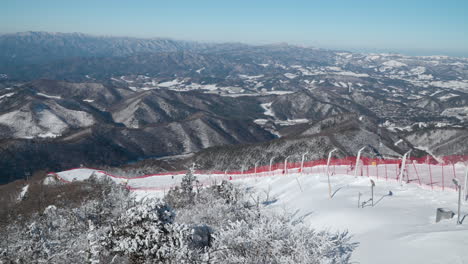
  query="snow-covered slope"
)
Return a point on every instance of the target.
[
  {"x": 47, "y": 119},
  {"x": 399, "y": 228}
]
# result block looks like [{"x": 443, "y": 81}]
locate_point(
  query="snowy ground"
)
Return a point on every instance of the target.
[{"x": 400, "y": 228}]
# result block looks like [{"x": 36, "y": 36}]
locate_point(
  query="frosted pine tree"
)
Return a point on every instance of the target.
[{"x": 184, "y": 195}]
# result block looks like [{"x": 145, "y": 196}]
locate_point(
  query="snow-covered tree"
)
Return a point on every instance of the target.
[
  {"x": 147, "y": 232},
  {"x": 185, "y": 194}
]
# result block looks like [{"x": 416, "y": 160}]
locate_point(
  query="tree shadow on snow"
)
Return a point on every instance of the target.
[
  {"x": 272, "y": 201},
  {"x": 337, "y": 190}
]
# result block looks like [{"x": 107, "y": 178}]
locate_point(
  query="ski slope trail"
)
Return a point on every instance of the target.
[{"x": 399, "y": 228}]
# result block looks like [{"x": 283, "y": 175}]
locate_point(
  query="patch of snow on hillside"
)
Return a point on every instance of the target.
[
  {"x": 23, "y": 192},
  {"x": 263, "y": 123},
  {"x": 197, "y": 86},
  {"x": 279, "y": 92},
  {"x": 6, "y": 95},
  {"x": 49, "y": 96},
  {"x": 451, "y": 84},
  {"x": 48, "y": 135},
  {"x": 48, "y": 122},
  {"x": 253, "y": 77},
  {"x": 74, "y": 118},
  {"x": 268, "y": 110},
  {"x": 448, "y": 96},
  {"x": 88, "y": 100},
  {"x": 169, "y": 83},
  {"x": 394, "y": 64},
  {"x": 418, "y": 70},
  {"x": 23, "y": 124},
  {"x": 372, "y": 57},
  {"x": 457, "y": 112},
  {"x": 290, "y": 75},
  {"x": 353, "y": 74},
  {"x": 291, "y": 122}
]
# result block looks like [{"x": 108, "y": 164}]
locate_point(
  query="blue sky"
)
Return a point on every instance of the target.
[{"x": 411, "y": 26}]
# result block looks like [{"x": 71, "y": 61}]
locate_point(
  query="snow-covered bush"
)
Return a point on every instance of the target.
[
  {"x": 217, "y": 205},
  {"x": 243, "y": 230},
  {"x": 277, "y": 239},
  {"x": 68, "y": 230},
  {"x": 147, "y": 232}
]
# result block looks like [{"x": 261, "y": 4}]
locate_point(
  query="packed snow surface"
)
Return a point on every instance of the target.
[{"x": 400, "y": 228}]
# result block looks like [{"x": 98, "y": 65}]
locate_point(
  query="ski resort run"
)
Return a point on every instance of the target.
[{"x": 395, "y": 225}]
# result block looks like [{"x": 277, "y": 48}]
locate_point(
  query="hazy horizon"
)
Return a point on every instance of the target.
[{"x": 405, "y": 27}]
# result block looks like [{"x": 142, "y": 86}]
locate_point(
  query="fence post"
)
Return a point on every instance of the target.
[
  {"x": 286, "y": 165},
  {"x": 302, "y": 162},
  {"x": 328, "y": 172},
  {"x": 457, "y": 184},
  {"x": 255, "y": 173},
  {"x": 358, "y": 159},
  {"x": 271, "y": 162},
  {"x": 403, "y": 167},
  {"x": 454, "y": 172}
]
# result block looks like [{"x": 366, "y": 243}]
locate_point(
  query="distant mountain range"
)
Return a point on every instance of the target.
[{"x": 71, "y": 99}]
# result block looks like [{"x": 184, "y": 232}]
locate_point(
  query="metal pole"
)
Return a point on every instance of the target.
[
  {"x": 459, "y": 204},
  {"x": 328, "y": 172},
  {"x": 403, "y": 166},
  {"x": 372, "y": 192},
  {"x": 465, "y": 191},
  {"x": 457, "y": 184},
  {"x": 358, "y": 158},
  {"x": 286, "y": 165},
  {"x": 302, "y": 161},
  {"x": 256, "y": 163},
  {"x": 271, "y": 162}
]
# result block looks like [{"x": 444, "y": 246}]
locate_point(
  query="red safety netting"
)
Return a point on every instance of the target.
[{"x": 425, "y": 171}]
